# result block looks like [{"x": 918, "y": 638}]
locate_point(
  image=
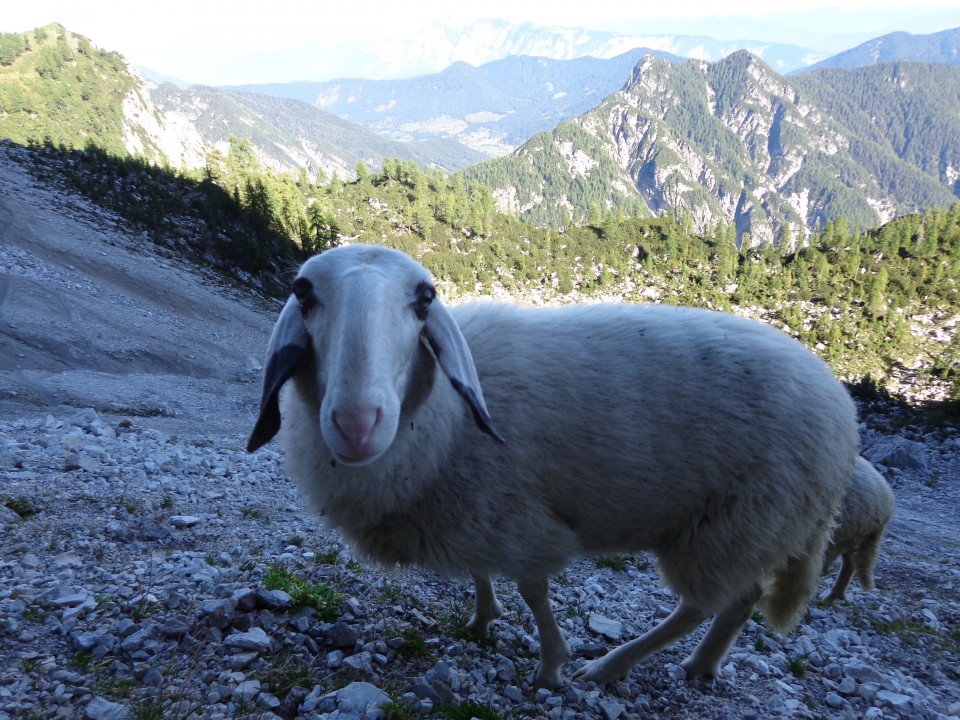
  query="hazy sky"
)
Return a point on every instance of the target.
[{"x": 217, "y": 43}]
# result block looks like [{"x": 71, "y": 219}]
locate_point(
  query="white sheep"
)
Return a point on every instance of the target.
[
  {"x": 718, "y": 443},
  {"x": 866, "y": 509}
]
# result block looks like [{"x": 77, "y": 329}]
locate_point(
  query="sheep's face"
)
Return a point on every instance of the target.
[{"x": 363, "y": 311}]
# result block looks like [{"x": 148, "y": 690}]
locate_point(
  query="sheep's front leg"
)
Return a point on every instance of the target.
[
  {"x": 554, "y": 651},
  {"x": 488, "y": 608},
  {"x": 618, "y": 663}
]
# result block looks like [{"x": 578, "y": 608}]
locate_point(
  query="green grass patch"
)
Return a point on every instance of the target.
[
  {"x": 614, "y": 562},
  {"x": 319, "y": 596}
]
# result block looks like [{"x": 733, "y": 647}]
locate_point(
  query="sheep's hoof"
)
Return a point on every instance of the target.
[
  {"x": 603, "y": 671},
  {"x": 699, "y": 672},
  {"x": 479, "y": 628},
  {"x": 549, "y": 679}
]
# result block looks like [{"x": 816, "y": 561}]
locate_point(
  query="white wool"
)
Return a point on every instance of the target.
[
  {"x": 867, "y": 508},
  {"x": 718, "y": 443}
]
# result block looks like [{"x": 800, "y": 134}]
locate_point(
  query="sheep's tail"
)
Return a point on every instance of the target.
[
  {"x": 865, "y": 558},
  {"x": 792, "y": 586}
]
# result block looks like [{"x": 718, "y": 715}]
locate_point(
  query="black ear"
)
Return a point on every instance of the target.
[
  {"x": 289, "y": 342},
  {"x": 453, "y": 356}
]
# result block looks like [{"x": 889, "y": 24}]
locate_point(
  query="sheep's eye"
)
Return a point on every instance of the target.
[
  {"x": 303, "y": 290},
  {"x": 425, "y": 295}
]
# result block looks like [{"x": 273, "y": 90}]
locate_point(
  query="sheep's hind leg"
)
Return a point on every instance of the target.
[
  {"x": 488, "y": 608},
  {"x": 554, "y": 651},
  {"x": 839, "y": 589},
  {"x": 705, "y": 659},
  {"x": 618, "y": 663}
]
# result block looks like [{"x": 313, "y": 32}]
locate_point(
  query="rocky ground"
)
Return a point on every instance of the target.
[{"x": 150, "y": 568}]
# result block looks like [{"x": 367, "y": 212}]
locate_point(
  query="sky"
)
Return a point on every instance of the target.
[{"x": 216, "y": 43}]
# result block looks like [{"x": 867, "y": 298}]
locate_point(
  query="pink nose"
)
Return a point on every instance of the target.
[{"x": 357, "y": 424}]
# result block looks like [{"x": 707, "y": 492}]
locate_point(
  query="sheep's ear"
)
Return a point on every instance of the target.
[
  {"x": 288, "y": 344},
  {"x": 453, "y": 355}
]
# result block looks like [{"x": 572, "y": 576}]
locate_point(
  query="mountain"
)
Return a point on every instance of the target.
[
  {"x": 940, "y": 47},
  {"x": 492, "y": 108},
  {"x": 905, "y": 108},
  {"x": 730, "y": 142},
  {"x": 500, "y": 104},
  {"x": 290, "y": 134},
  {"x": 57, "y": 87}
]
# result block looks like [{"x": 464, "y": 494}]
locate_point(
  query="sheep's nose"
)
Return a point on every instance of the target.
[{"x": 357, "y": 424}]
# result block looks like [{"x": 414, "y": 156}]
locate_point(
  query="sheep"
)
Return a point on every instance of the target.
[
  {"x": 866, "y": 509},
  {"x": 718, "y": 443}
]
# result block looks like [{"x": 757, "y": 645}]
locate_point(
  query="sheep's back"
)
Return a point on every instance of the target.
[
  {"x": 867, "y": 508},
  {"x": 702, "y": 436}
]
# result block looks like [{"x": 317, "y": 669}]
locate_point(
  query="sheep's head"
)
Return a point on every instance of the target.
[{"x": 364, "y": 312}]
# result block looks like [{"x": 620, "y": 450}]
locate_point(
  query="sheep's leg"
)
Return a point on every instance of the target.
[
  {"x": 554, "y": 651},
  {"x": 705, "y": 659},
  {"x": 839, "y": 589},
  {"x": 617, "y": 663},
  {"x": 488, "y": 607}
]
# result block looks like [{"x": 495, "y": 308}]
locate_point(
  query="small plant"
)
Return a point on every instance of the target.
[
  {"x": 83, "y": 497},
  {"x": 395, "y": 710},
  {"x": 252, "y": 513},
  {"x": 614, "y": 562},
  {"x": 329, "y": 557},
  {"x": 166, "y": 503},
  {"x": 285, "y": 673},
  {"x": 757, "y": 617},
  {"x": 296, "y": 541},
  {"x": 798, "y": 666},
  {"x": 22, "y": 506},
  {"x": 37, "y": 613},
  {"x": 759, "y": 644},
  {"x": 414, "y": 644},
  {"x": 131, "y": 507},
  {"x": 468, "y": 710},
  {"x": 118, "y": 687},
  {"x": 322, "y": 598},
  {"x": 82, "y": 660},
  {"x": 149, "y": 709}
]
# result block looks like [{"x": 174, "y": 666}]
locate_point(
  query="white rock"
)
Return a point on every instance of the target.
[
  {"x": 254, "y": 639},
  {"x": 184, "y": 521},
  {"x": 610, "y": 629}
]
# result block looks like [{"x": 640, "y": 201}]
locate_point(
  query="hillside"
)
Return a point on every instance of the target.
[
  {"x": 288, "y": 135},
  {"x": 940, "y": 47},
  {"x": 879, "y": 305},
  {"x": 908, "y": 109},
  {"x": 729, "y": 142},
  {"x": 56, "y": 87}
]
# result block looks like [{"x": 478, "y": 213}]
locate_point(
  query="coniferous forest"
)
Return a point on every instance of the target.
[{"x": 878, "y": 305}]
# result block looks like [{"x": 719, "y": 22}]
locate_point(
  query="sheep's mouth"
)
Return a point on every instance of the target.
[{"x": 352, "y": 461}]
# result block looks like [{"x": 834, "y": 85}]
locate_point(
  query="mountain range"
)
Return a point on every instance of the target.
[
  {"x": 735, "y": 142},
  {"x": 492, "y": 108},
  {"x": 941, "y": 47},
  {"x": 642, "y": 132}
]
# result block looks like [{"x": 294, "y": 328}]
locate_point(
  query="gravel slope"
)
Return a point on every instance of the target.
[{"x": 139, "y": 540}]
